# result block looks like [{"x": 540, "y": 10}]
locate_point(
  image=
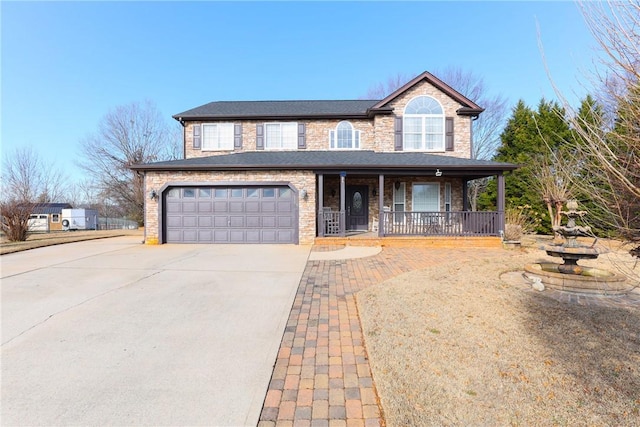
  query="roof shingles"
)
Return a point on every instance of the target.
[
  {"x": 317, "y": 160},
  {"x": 250, "y": 109}
]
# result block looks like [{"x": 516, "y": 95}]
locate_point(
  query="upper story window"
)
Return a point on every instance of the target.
[
  {"x": 280, "y": 136},
  {"x": 344, "y": 136},
  {"x": 217, "y": 136},
  {"x": 423, "y": 125}
]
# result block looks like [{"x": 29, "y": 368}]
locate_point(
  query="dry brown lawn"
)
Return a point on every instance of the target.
[
  {"x": 37, "y": 240},
  {"x": 457, "y": 345}
]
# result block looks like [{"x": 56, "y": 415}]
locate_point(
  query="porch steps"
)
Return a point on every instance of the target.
[{"x": 449, "y": 242}]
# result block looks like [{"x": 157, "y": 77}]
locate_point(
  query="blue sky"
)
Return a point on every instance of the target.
[{"x": 66, "y": 64}]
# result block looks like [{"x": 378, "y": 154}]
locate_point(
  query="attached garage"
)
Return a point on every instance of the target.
[{"x": 230, "y": 214}]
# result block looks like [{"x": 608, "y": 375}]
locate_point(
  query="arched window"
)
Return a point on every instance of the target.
[
  {"x": 344, "y": 136},
  {"x": 423, "y": 125}
]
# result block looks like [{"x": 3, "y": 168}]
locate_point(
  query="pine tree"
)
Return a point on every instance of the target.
[{"x": 529, "y": 140}]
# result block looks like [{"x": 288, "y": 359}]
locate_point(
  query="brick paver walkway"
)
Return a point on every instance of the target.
[{"x": 322, "y": 376}]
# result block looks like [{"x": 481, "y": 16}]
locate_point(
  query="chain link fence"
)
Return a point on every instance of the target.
[{"x": 116, "y": 224}]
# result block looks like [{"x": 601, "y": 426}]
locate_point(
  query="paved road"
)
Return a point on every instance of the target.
[{"x": 112, "y": 332}]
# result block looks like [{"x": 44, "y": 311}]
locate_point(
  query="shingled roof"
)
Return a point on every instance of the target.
[
  {"x": 356, "y": 160},
  {"x": 46, "y": 208},
  {"x": 319, "y": 109},
  {"x": 279, "y": 109},
  {"x": 469, "y": 108}
]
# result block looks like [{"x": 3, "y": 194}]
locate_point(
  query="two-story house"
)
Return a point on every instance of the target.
[{"x": 292, "y": 171}]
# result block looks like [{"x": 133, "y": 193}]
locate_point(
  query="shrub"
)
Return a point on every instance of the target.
[
  {"x": 14, "y": 220},
  {"x": 520, "y": 220}
]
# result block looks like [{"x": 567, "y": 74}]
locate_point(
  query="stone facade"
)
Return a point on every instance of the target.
[
  {"x": 462, "y": 124},
  {"x": 376, "y": 134}
]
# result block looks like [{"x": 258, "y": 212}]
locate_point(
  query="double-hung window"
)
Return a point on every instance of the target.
[
  {"x": 217, "y": 136},
  {"x": 280, "y": 136},
  {"x": 399, "y": 201},
  {"x": 423, "y": 125},
  {"x": 344, "y": 137}
]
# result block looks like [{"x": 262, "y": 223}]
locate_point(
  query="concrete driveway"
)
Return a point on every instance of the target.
[{"x": 113, "y": 332}]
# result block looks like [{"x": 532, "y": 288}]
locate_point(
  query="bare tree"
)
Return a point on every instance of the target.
[
  {"x": 27, "y": 181},
  {"x": 28, "y": 178},
  {"x": 393, "y": 83},
  {"x": 553, "y": 179},
  {"x": 84, "y": 194},
  {"x": 612, "y": 154},
  {"x": 486, "y": 128},
  {"x": 127, "y": 135}
]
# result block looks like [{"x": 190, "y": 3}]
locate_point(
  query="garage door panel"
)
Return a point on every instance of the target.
[
  {"x": 252, "y": 236},
  {"x": 205, "y": 221},
  {"x": 205, "y": 235},
  {"x": 220, "y": 221},
  {"x": 284, "y": 207},
  {"x": 236, "y": 236},
  {"x": 268, "y": 206},
  {"x": 204, "y": 207},
  {"x": 285, "y": 221},
  {"x": 189, "y": 221},
  {"x": 221, "y": 236},
  {"x": 235, "y": 207},
  {"x": 174, "y": 221},
  {"x": 220, "y": 207},
  {"x": 252, "y": 206},
  {"x": 173, "y": 207},
  {"x": 188, "y": 207},
  {"x": 230, "y": 215},
  {"x": 190, "y": 235},
  {"x": 285, "y": 236},
  {"x": 269, "y": 236},
  {"x": 237, "y": 221},
  {"x": 174, "y": 235},
  {"x": 253, "y": 221}
]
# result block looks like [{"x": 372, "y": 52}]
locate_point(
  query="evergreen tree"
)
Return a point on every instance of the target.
[
  {"x": 530, "y": 139},
  {"x": 622, "y": 171},
  {"x": 589, "y": 118}
]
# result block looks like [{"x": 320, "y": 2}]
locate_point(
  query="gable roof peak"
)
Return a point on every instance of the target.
[{"x": 468, "y": 108}]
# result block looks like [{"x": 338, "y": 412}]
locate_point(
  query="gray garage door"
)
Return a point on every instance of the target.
[{"x": 230, "y": 215}]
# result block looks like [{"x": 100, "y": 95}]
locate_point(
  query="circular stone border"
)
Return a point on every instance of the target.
[{"x": 592, "y": 281}]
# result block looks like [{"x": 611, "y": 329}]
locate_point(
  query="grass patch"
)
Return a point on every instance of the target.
[
  {"x": 457, "y": 346},
  {"x": 39, "y": 240}
]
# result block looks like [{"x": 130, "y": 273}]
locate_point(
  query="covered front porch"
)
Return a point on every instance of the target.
[{"x": 425, "y": 203}]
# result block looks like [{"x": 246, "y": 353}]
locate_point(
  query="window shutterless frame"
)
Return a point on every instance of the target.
[
  {"x": 425, "y": 197},
  {"x": 423, "y": 125},
  {"x": 217, "y": 136},
  {"x": 344, "y": 137},
  {"x": 281, "y": 136}
]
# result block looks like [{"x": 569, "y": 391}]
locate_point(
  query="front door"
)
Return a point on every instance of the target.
[{"x": 357, "y": 203}]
